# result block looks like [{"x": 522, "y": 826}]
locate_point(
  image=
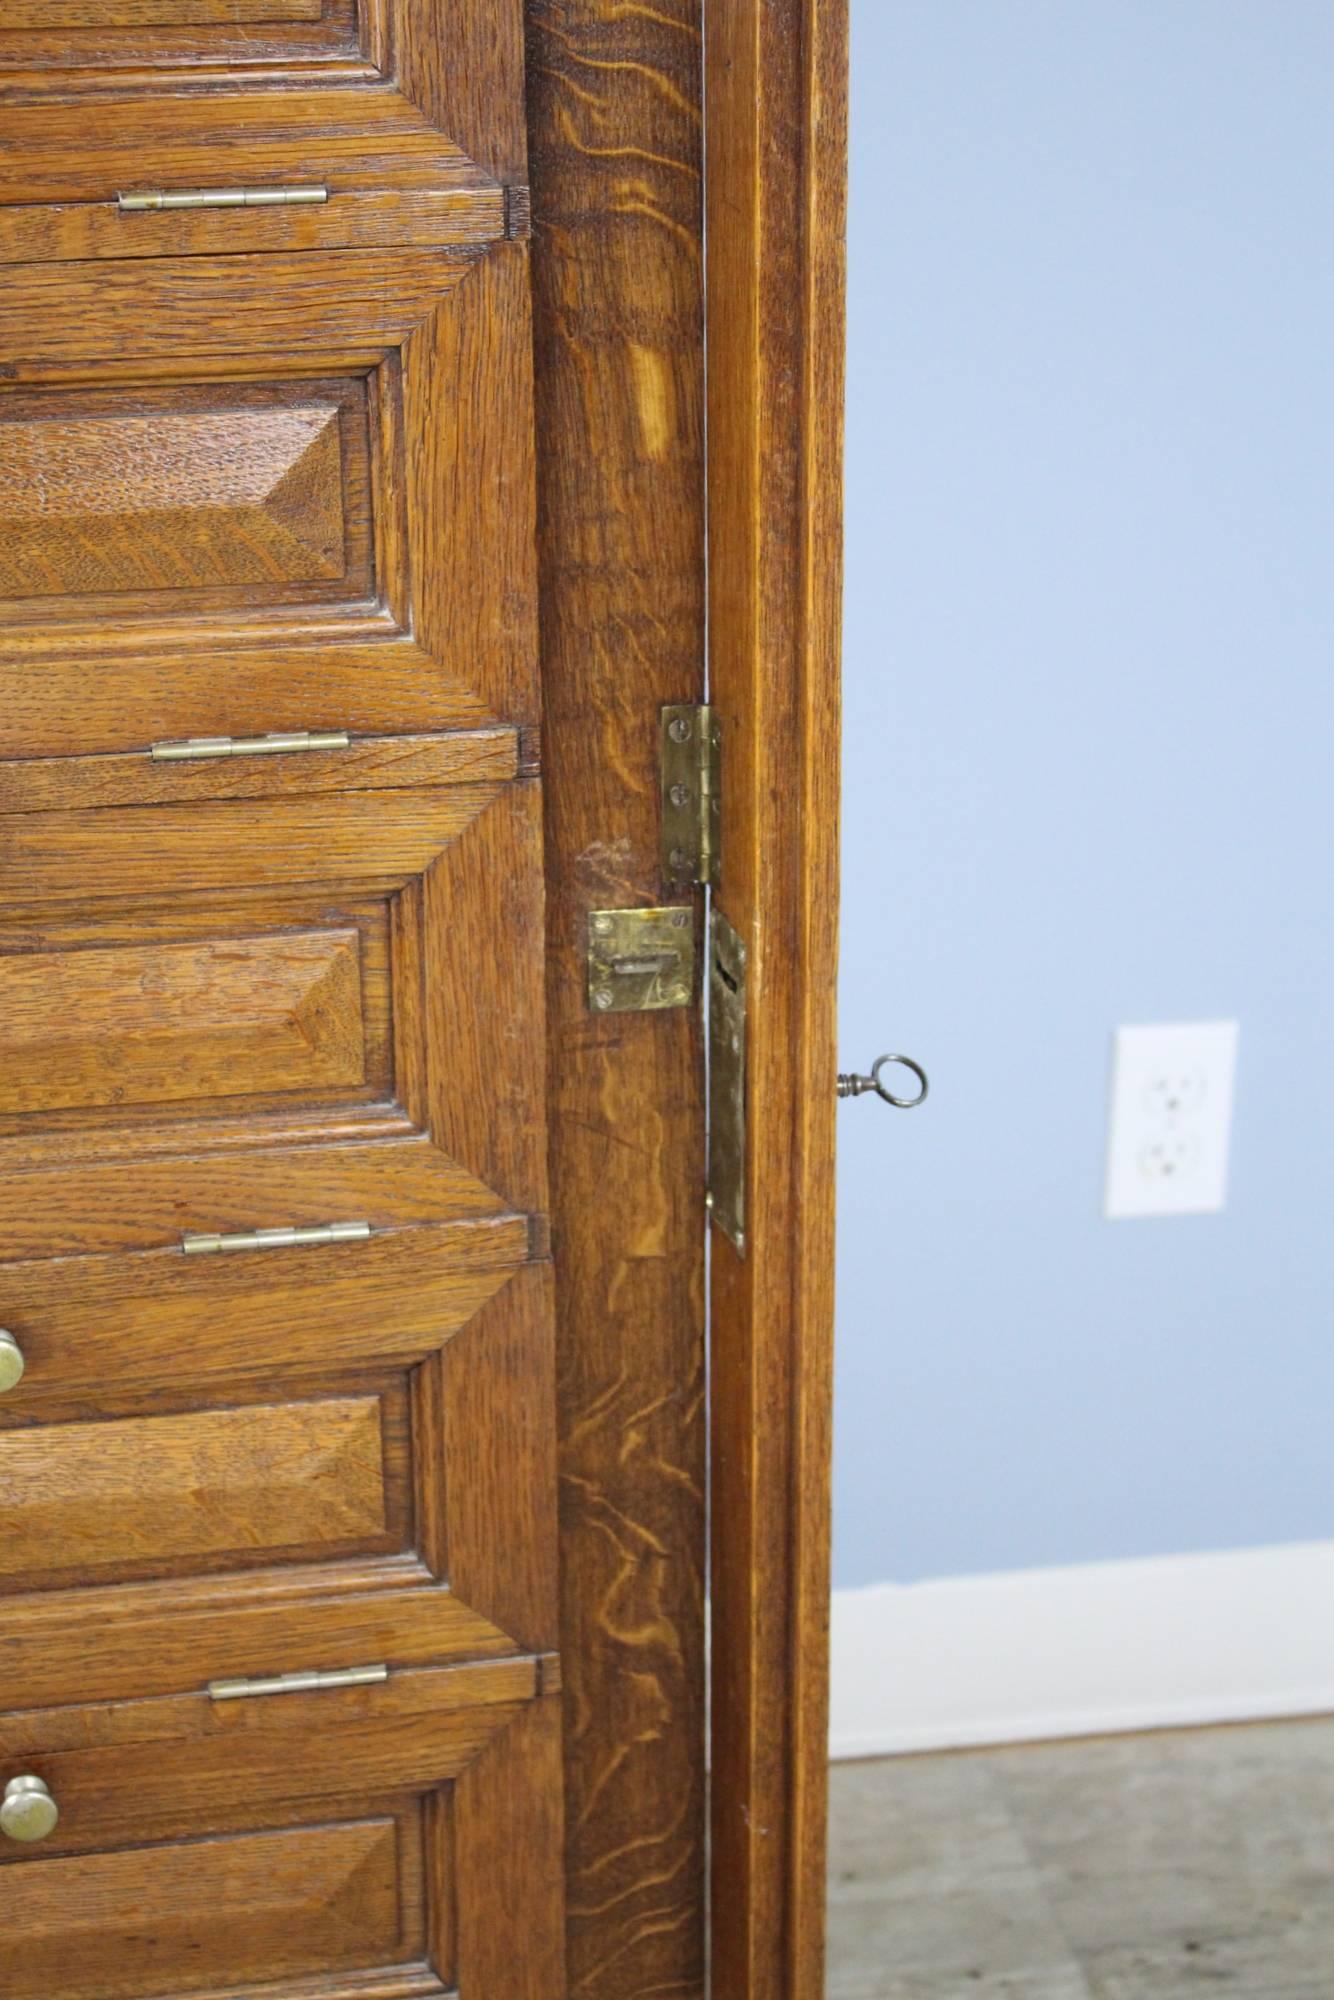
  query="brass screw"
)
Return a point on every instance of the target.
[
  {"x": 679, "y": 729},
  {"x": 602, "y": 925},
  {"x": 601, "y": 998}
]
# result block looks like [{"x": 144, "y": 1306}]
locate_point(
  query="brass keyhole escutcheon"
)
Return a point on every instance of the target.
[
  {"x": 12, "y": 1362},
  {"x": 28, "y": 1811}
]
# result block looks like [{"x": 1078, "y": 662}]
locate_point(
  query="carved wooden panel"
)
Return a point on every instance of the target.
[
  {"x": 221, "y": 1011},
  {"x": 282, "y": 534},
  {"x": 77, "y": 14},
  {"x": 59, "y": 36},
  {"x": 149, "y": 1023},
  {"x": 205, "y": 1915},
  {"x": 388, "y": 1842},
  {"x": 97, "y": 1328},
  {"x": 185, "y": 497},
  {"x": 403, "y": 1100},
  {"x": 408, "y": 1513},
  {"x": 206, "y": 1489},
  {"x": 409, "y": 113},
  {"x": 270, "y": 469}
]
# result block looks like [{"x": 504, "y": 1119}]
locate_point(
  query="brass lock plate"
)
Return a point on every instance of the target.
[{"x": 641, "y": 960}]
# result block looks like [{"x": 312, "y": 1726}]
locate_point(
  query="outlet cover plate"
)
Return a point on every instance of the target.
[{"x": 1171, "y": 1119}]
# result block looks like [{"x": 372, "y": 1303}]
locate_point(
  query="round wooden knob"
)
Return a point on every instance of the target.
[
  {"x": 12, "y": 1363},
  {"x": 28, "y": 1811}
]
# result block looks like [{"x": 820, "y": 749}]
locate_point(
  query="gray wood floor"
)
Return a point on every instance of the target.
[{"x": 1162, "y": 1867}]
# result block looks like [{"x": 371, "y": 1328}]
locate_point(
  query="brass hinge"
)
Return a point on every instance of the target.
[
  {"x": 258, "y": 197},
  {"x": 691, "y": 764},
  {"x": 278, "y": 742},
  {"x": 306, "y": 1682},
  {"x": 641, "y": 960},
  {"x": 203, "y": 1243}
]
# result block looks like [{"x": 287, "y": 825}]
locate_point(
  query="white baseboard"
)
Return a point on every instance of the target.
[{"x": 1171, "y": 1642}]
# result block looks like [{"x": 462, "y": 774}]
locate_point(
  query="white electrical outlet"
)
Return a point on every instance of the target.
[{"x": 1171, "y": 1118}]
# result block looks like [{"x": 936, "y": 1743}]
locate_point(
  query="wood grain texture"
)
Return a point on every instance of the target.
[
  {"x": 68, "y": 1650},
  {"x": 485, "y": 1062},
  {"x": 178, "y": 490},
  {"x": 82, "y": 1210},
  {"x": 469, "y": 485},
  {"x": 426, "y": 617},
  {"x": 144, "y": 1771},
  {"x": 777, "y": 166},
  {"x": 169, "y": 1494},
  {"x": 614, "y": 95},
  {"x": 40, "y": 43},
  {"x": 83, "y": 690},
  {"x": 369, "y": 764},
  {"x": 354, "y": 837},
  {"x": 149, "y": 976},
  {"x": 432, "y": 1844},
  {"x": 206, "y": 1915},
  {"x": 159, "y": 308},
  {"x": 151, "y": 1023},
  {"x": 354, "y": 218},
  {"x": 270, "y": 476},
  {"x": 430, "y": 91},
  {"x": 94, "y": 1327},
  {"x": 102, "y": 14},
  {"x": 508, "y": 1811},
  {"x": 497, "y": 1400}
]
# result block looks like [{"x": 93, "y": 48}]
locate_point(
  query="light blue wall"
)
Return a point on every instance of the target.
[{"x": 1089, "y": 770}]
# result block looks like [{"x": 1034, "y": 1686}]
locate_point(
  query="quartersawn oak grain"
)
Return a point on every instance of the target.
[
  {"x": 239, "y": 1486},
  {"x": 777, "y": 167},
  {"x": 395, "y": 99},
  {"x": 613, "y": 108},
  {"x": 151, "y": 1023},
  {"x": 174, "y": 490},
  {"x": 249, "y": 1906},
  {"x": 274, "y": 471}
]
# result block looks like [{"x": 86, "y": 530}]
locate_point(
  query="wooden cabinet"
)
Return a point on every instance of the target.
[{"x": 278, "y": 1388}]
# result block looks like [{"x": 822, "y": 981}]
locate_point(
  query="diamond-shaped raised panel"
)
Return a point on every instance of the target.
[
  {"x": 209, "y": 1915},
  {"x": 230, "y": 1488},
  {"x": 391, "y": 1842},
  {"x": 294, "y": 981},
  {"x": 261, "y": 543},
  {"x": 177, "y": 495},
  {"x": 60, "y": 36},
  {"x": 408, "y": 114},
  {"x": 152, "y": 1023}
]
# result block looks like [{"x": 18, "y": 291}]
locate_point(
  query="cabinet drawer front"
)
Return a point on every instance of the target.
[
  {"x": 60, "y": 36},
  {"x": 237, "y": 1032},
  {"x": 97, "y": 1330},
  {"x": 323, "y": 1513},
  {"x": 204, "y": 1916},
  {"x": 358, "y": 1842},
  {"x": 241, "y": 495},
  {"x": 224, "y": 1488},
  {"x": 149, "y": 1024},
  {"x": 407, "y": 114}
]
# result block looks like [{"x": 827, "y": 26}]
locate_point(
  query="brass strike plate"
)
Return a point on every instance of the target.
[
  {"x": 727, "y": 1080},
  {"x": 640, "y": 960}
]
